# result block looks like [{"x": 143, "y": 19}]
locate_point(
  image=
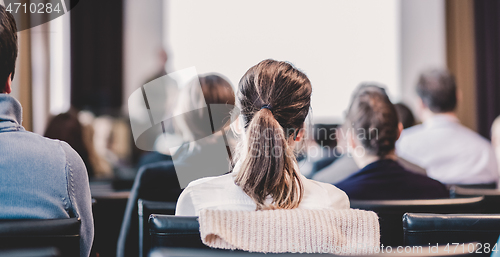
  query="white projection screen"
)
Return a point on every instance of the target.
[{"x": 337, "y": 43}]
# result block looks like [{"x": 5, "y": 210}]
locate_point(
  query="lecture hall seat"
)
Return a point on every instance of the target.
[
  {"x": 391, "y": 212},
  {"x": 425, "y": 228},
  {"x": 63, "y": 234}
]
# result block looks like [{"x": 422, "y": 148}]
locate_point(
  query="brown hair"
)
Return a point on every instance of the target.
[
  {"x": 8, "y": 46},
  {"x": 274, "y": 97},
  {"x": 374, "y": 118},
  {"x": 212, "y": 89}
]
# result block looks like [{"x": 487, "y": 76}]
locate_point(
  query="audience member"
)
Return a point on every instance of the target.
[
  {"x": 495, "y": 138},
  {"x": 40, "y": 178},
  {"x": 450, "y": 152},
  {"x": 372, "y": 131},
  {"x": 345, "y": 165},
  {"x": 160, "y": 181},
  {"x": 320, "y": 149},
  {"x": 274, "y": 99},
  {"x": 405, "y": 115},
  {"x": 66, "y": 127}
]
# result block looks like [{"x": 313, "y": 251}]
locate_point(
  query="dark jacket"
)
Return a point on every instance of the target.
[{"x": 387, "y": 180}]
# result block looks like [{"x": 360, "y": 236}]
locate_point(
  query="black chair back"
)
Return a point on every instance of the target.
[
  {"x": 390, "y": 213},
  {"x": 146, "y": 208},
  {"x": 63, "y": 234},
  {"x": 491, "y": 202},
  {"x": 424, "y": 229},
  {"x": 175, "y": 231},
  {"x": 108, "y": 211},
  {"x": 191, "y": 252},
  {"x": 31, "y": 252}
]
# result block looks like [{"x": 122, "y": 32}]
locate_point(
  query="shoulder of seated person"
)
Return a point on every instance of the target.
[
  {"x": 325, "y": 187},
  {"x": 412, "y": 130},
  {"x": 213, "y": 179}
]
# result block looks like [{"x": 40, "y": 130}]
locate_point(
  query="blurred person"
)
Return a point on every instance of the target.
[
  {"x": 200, "y": 152},
  {"x": 495, "y": 138},
  {"x": 320, "y": 151},
  {"x": 102, "y": 168},
  {"x": 405, "y": 115},
  {"x": 274, "y": 98},
  {"x": 372, "y": 130},
  {"x": 66, "y": 127},
  {"x": 164, "y": 86},
  {"x": 40, "y": 178},
  {"x": 345, "y": 165},
  {"x": 450, "y": 152}
]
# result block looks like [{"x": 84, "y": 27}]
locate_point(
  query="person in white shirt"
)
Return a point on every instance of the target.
[
  {"x": 450, "y": 152},
  {"x": 274, "y": 99}
]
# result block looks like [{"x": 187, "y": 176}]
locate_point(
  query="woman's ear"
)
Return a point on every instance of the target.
[
  {"x": 400, "y": 129},
  {"x": 351, "y": 142},
  {"x": 237, "y": 124},
  {"x": 300, "y": 133}
]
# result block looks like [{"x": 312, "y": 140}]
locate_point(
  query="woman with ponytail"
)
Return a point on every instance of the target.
[{"x": 274, "y": 99}]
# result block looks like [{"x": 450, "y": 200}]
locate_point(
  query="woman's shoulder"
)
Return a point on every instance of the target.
[
  {"x": 207, "y": 181},
  {"x": 328, "y": 194}
]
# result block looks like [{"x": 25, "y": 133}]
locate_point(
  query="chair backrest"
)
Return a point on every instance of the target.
[
  {"x": 390, "y": 213},
  {"x": 31, "y": 252},
  {"x": 191, "y": 252},
  {"x": 425, "y": 228},
  {"x": 174, "y": 231},
  {"x": 491, "y": 202},
  {"x": 108, "y": 211},
  {"x": 146, "y": 208},
  {"x": 196, "y": 252},
  {"x": 64, "y": 234}
]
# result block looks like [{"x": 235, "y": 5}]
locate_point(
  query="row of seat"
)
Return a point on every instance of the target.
[
  {"x": 64, "y": 234},
  {"x": 481, "y": 230},
  {"x": 390, "y": 212}
]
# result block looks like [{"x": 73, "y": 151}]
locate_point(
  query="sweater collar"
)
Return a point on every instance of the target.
[
  {"x": 10, "y": 112},
  {"x": 441, "y": 120},
  {"x": 377, "y": 164}
]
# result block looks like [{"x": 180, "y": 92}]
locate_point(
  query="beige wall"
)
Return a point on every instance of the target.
[
  {"x": 461, "y": 56},
  {"x": 22, "y": 80}
]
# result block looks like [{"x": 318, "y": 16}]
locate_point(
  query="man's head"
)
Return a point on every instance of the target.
[
  {"x": 438, "y": 91},
  {"x": 8, "y": 49},
  {"x": 374, "y": 119}
]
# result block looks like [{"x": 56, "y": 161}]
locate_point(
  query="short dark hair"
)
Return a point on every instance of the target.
[
  {"x": 438, "y": 90},
  {"x": 372, "y": 113},
  {"x": 405, "y": 115},
  {"x": 8, "y": 46}
]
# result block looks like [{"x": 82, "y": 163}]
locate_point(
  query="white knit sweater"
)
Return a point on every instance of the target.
[{"x": 346, "y": 232}]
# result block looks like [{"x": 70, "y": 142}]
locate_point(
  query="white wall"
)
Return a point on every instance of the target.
[
  {"x": 423, "y": 42},
  {"x": 337, "y": 43}
]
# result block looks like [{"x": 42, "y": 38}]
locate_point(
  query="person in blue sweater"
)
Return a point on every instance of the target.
[
  {"x": 372, "y": 131},
  {"x": 40, "y": 178}
]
